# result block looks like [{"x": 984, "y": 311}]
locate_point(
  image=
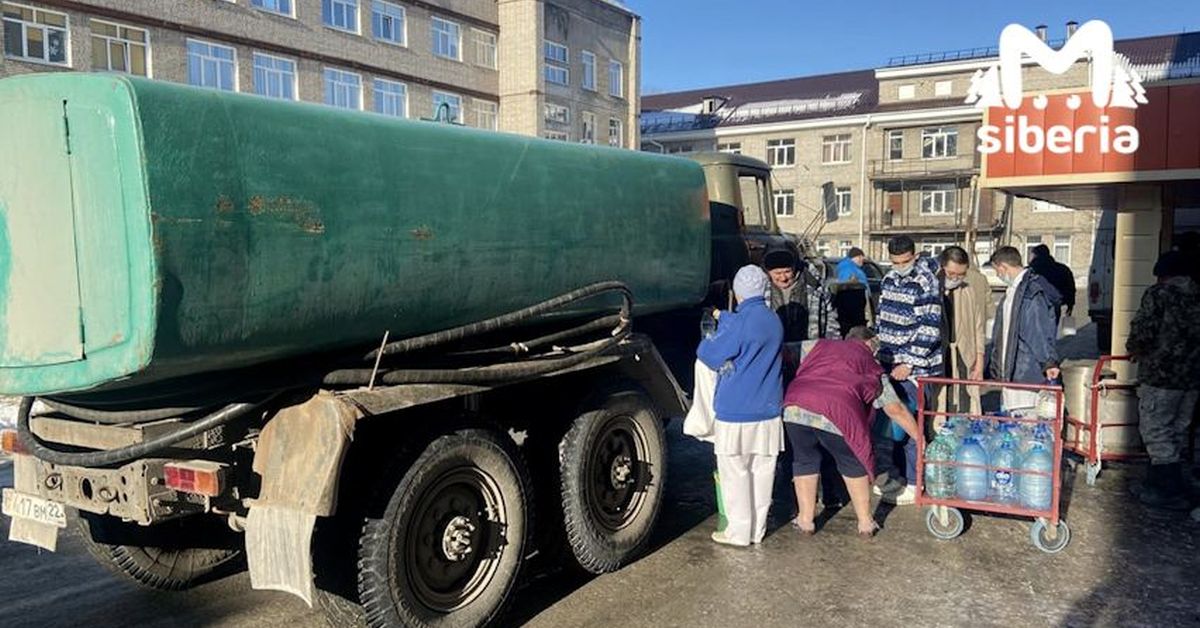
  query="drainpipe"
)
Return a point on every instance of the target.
[{"x": 862, "y": 212}]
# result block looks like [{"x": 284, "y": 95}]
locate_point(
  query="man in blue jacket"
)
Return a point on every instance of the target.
[
  {"x": 746, "y": 352},
  {"x": 1025, "y": 331}
]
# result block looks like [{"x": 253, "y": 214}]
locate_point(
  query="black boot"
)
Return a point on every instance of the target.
[{"x": 1164, "y": 487}]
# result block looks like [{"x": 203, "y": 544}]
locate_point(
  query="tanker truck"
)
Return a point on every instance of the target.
[{"x": 381, "y": 364}]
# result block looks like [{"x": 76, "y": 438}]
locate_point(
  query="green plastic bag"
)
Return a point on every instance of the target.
[{"x": 721, "y": 520}]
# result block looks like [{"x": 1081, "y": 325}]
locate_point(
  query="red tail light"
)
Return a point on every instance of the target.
[
  {"x": 199, "y": 477},
  {"x": 10, "y": 444}
]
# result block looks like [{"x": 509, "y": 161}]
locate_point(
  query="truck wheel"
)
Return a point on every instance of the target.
[
  {"x": 612, "y": 464},
  {"x": 163, "y": 556},
  {"x": 445, "y": 546}
]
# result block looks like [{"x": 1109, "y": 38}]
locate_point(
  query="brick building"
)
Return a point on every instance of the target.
[{"x": 524, "y": 66}]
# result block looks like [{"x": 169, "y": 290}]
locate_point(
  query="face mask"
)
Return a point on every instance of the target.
[
  {"x": 904, "y": 270},
  {"x": 1006, "y": 279},
  {"x": 953, "y": 283}
]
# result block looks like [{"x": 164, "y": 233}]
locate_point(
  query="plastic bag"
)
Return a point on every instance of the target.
[
  {"x": 1067, "y": 326},
  {"x": 701, "y": 417}
]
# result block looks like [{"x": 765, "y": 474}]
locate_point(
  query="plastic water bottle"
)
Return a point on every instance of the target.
[
  {"x": 1035, "y": 490},
  {"x": 1047, "y": 404},
  {"x": 939, "y": 474},
  {"x": 972, "y": 482},
  {"x": 708, "y": 324},
  {"x": 1003, "y": 462}
]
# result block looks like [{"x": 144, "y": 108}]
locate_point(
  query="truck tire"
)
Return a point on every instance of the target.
[
  {"x": 446, "y": 544},
  {"x": 612, "y": 465},
  {"x": 163, "y": 556}
]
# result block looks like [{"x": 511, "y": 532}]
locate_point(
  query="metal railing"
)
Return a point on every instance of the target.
[
  {"x": 953, "y": 167},
  {"x": 944, "y": 56}
]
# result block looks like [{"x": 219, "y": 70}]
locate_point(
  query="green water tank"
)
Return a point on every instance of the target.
[{"x": 153, "y": 230}]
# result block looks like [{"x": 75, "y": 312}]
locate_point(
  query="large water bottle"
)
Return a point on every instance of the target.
[
  {"x": 1003, "y": 463},
  {"x": 939, "y": 474},
  {"x": 1036, "y": 490},
  {"x": 1047, "y": 404},
  {"x": 972, "y": 482},
  {"x": 708, "y": 323}
]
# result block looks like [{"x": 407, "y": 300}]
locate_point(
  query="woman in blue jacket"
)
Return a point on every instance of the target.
[{"x": 746, "y": 352}]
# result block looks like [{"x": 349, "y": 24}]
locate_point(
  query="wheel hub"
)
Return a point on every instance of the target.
[
  {"x": 622, "y": 469},
  {"x": 458, "y": 539}
]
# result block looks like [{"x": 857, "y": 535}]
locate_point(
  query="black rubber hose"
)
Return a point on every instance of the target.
[
  {"x": 108, "y": 457},
  {"x": 504, "y": 320},
  {"x": 114, "y": 417},
  {"x": 527, "y": 346}
]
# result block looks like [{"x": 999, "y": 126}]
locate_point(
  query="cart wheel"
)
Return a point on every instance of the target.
[
  {"x": 953, "y": 526},
  {"x": 1039, "y": 534}
]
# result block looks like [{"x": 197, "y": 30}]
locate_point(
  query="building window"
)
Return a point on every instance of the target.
[
  {"x": 588, "y": 136},
  {"x": 842, "y": 198},
  {"x": 118, "y": 48},
  {"x": 938, "y": 200},
  {"x": 452, "y": 106},
  {"x": 935, "y": 248},
  {"x": 343, "y": 89},
  {"x": 486, "y": 114},
  {"x": 616, "y": 133},
  {"x": 679, "y": 149},
  {"x": 616, "y": 79},
  {"x": 556, "y": 114},
  {"x": 557, "y": 75},
  {"x": 1031, "y": 241},
  {"x": 447, "y": 39},
  {"x": 340, "y": 14},
  {"x": 943, "y": 88},
  {"x": 35, "y": 34},
  {"x": 389, "y": 23},
  {"x": 391, "y": 98},
  {"x": 485, "y": 48},
  {"x": 939, "y": 142},
  {"x": 835, "y": 149},
  {"x": 589, "y": 70},
  {"x": 556, "y": 54},
  {"x": 844, "y": 247},
  {"x": 274, "y": 77},
  {"x": 556, "y": 135},
  {"x": 212, "y": 65},
  {"x": 895, "y": 144},
  {"x": 282, "y": 7},
  {"x": 785, "y": 202},
  {"x": 823, "y": 248},
  {"x": 781, "y": 152},
  {"x": 733, "y": 148},
  {"x": 1062, "y": 249},
  {"x": 906, "y": 92}
]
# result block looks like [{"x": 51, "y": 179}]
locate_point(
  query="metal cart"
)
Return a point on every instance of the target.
[{"x": 1088, "y": 438}]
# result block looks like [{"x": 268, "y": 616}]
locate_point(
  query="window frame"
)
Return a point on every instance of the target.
[
  {"x": 934, "y": 135},
  {"x": 236, "y": 87},
  {"x": 376, "y": 27},
  {"x": 456, "y": 45},
  {"x": 550, "y": 111},
  {"x": 325, "y": 72},
  {"x": 556, "y": 136},
  {"x": 295, "y": 80},
  {"x": 494, "y": 113},
  {"x": 357, "y": 30},
  {"x": 788, "y": 197},
  {"x": 785, "y": 145},
  {"x": 456, "y": 119},
  {"x": 45, "y": 28},
  {"x": 401, "y": 96},
  {"x": 731, "y": 148},
  {"x": 907, "y": 91},
  {"x": 584, "y": 116},
  {"x": 844, "y": 247},
  {"x": 948, "y": 90},
  {"x": 620, "y": 79},
  {"x": 893, "y": 135},
  {"x": 949, "y": 194},
  {"x": 291, "y": 12},
  {"x": 477, "y": 46},
  {"x": 844, "y": 200},
  {"x": 109, "y": 39},
  {"x": 1062, "y": 240},
  {"x": 616, "y": 140},
  {"x": 831, "y": 145},
  {"x": 584, "y": 55}
]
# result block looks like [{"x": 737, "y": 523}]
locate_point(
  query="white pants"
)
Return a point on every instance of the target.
[{"x": 746, "y": 483}]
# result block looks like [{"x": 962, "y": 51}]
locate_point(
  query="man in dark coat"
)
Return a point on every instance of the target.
[
  {"x": 1058, "y": 274},
  {"x": 1025, "y": 331}
]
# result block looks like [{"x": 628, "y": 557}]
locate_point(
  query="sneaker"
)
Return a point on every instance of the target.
[
  {"x": 906, "y": 497},
  {"x": 719, "y": 537},
  {"x": 890, "y": 487}
]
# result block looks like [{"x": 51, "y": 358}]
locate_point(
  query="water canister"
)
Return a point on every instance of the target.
[
  {"x": 939, "y": 475},
  {"x": 972, "y": 481},
  {"x": 1034, "y": 489}
]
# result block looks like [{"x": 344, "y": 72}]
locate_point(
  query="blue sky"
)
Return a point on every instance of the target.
[{"x": 701, "y": 43}]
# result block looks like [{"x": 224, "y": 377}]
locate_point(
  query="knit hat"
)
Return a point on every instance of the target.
[
  {"x": 1171, "y": 264},
  {"x": 779, "y": 257},
  {"x": 750, "y": 281}
]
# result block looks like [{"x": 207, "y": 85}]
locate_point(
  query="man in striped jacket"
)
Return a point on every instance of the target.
[{"x": 910, "y": 343}]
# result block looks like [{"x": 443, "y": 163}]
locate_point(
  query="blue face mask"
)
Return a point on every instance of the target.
[{"x": 905, "y": 270}]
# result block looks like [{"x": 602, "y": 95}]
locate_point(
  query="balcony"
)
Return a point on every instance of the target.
[{"x": 961, "y": 166}]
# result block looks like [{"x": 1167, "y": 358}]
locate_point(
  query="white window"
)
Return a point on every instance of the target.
[
  {"x": 939, "y": 142},
  {"x": 389, "y": 22},
  {"x": 1048, "y": 207},
  {"x": 447, "y": 107},
  {"x": 485, "y": 48},
  {"x": 274, "y": 77},
  {"x": 486, "y": 114},
  {"x": 120, "y": 48},
  {"x": 616, "y": 133},
  {"x": 391, "y": 98},
  {"x": 616, "y": 79},
  {"x": 679, "y": 149},
  {"x": 556, "y": 114},
  {"x": 282, "y": 7},
  {"x": 935, "y": 248},
  {"x": 447, "y": 39},
  {"x": 785, "y": 202},
  {"x": 781, "y": 152},
  {"x": 212, "y": 65},
  {"x": 937, "y": 200},
  {"x": 835, "y": 149},
  {"x": 734, "y": 148},
  {"x": 823, "y": 248},
  {"x": 1032, "y": 240},
  {"x": 895, "y": 144},
  {"x": 943, "y": 88},
  {"x": 557, "y": 75},
  {"x": 35, "y": 34},
  {"x": 343, "y": 89},
  {"x": 844, "y": 247},
  {"x": 588, "y": 135},
  {"x": 557, "y": 57},
  {"x": 1062, "y": 249},
  {"x": 340, "y": 14},
  {"x": 555, "y": 52},
  {"x": 556, "y": 135},
  {"x": 589, "y": 70},
  {"x": 906, "y": 92},
  {"x": 842, "y": 198}
]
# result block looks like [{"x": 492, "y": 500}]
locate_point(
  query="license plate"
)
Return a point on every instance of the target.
[{"x": 35, "y": 508}]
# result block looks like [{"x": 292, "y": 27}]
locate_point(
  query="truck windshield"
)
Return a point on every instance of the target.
[{"x": 755, "y": 203}]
